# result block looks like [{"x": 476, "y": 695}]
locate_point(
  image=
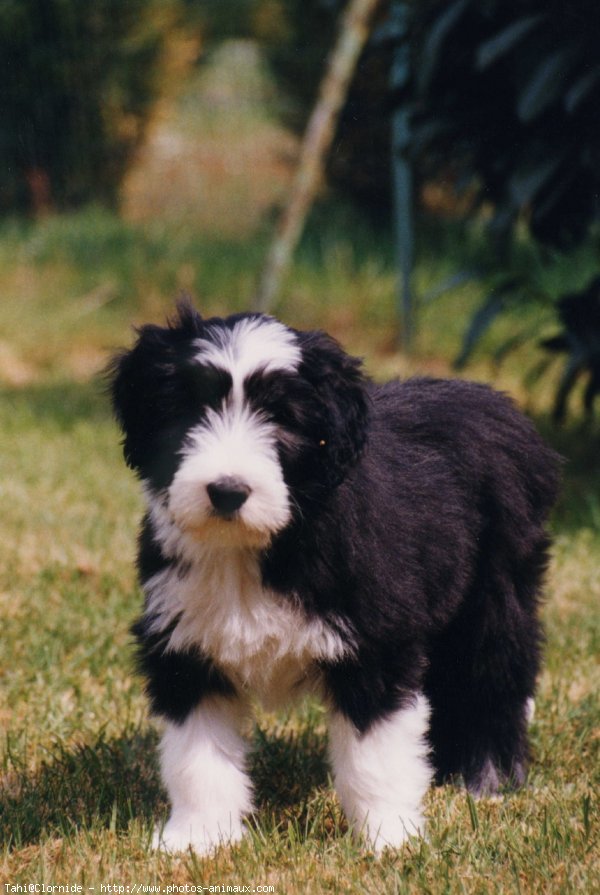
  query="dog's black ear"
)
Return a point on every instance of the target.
[
  {"x": 143, "y": 382},
  {"x": 138, "y": 378},
  {"x": 341, "y": 386}
]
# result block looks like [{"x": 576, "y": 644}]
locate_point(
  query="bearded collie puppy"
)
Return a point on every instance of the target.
[{"x": 307, "y": 530}]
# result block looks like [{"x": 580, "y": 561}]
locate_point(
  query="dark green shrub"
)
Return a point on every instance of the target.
[
  {"x": 505, "y": 98},
  {"x": 79, "y": 82},
  {"x": 579, "y": 314}
]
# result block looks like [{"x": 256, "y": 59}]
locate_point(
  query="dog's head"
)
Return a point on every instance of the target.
[{"x": 238, "y": 424}]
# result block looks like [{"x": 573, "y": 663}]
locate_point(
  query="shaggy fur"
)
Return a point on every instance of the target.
[{"x": 307, "y": 530}]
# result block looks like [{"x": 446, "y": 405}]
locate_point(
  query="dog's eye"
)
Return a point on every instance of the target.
[
  {"x": 281, "y": 397},
  {"x": 206, "y": 384}
]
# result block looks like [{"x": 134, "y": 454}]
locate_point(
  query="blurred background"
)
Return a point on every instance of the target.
[{"x": 148, "y": 147}]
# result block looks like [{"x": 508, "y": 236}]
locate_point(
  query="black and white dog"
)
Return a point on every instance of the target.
[{"x": 307, "y": 530}]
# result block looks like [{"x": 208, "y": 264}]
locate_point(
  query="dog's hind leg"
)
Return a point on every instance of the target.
[{"x": 481, "y": 682}]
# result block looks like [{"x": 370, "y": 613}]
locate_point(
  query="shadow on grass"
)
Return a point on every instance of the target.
[
  {"x": 111, "y": 782},
  {"x": 61, "y": 403},
  {"x": 90, "y": 786},
  {"x": 287, "y": 768}
]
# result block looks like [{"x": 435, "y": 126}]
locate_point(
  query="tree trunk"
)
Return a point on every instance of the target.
[{"x": 354, "y": 31}]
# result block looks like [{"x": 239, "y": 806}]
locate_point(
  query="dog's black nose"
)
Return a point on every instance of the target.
[{"x": 228, "y": 494}]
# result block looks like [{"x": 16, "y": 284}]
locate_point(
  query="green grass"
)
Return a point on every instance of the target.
[{"x": 79, "y": 788}]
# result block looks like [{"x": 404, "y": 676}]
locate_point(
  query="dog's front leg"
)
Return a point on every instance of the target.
[
  {"x": 382, "y": 773},
  {"x": 203, "y": 768}
]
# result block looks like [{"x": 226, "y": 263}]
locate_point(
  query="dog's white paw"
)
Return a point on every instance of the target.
[
  {"x": 390, "y": 831},
  {"x": 192, "y": 831}
]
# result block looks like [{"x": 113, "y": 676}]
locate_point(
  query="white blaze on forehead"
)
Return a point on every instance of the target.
[
  {"x": 236, "y": 440},
  {"x": 258, "y": 343}
]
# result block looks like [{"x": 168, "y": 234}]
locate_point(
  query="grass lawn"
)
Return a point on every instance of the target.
[{"x": 79, "y": 790}]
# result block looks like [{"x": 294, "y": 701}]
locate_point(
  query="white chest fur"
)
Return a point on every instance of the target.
[{"x": 265, "y": 644}]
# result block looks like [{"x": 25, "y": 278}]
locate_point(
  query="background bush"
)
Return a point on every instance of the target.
[
  {"x": 504, "y": 97},
  {"x": 79, "y": 83}
]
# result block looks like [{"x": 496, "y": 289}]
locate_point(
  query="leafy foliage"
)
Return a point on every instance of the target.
[
  {"x": 579, "y": 313},
  {"x": 79, "y": 82},
  {"x": 504, "y": 101},
  {"x": 505, "y": 98}
]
